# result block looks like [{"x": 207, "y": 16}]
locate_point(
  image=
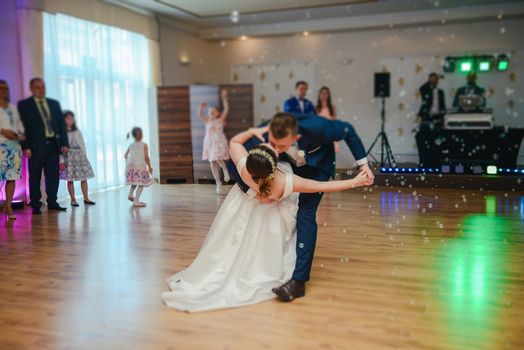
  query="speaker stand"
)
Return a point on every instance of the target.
[{"x": 386, "y": 154}]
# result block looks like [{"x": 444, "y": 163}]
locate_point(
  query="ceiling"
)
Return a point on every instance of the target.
[
  {"x": 271, "y": 16},
  {"x": 203, "y": 9}
]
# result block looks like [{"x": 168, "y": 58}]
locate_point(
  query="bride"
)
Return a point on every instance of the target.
[{"x": 250, "y": 247}]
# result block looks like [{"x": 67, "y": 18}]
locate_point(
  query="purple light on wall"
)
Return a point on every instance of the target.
[{"x": 22, "y": 187}]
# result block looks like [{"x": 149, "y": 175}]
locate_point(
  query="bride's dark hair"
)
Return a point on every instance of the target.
[{"x": 261, "y": 165}]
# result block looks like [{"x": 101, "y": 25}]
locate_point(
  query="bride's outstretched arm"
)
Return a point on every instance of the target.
[{"x": 311, "y": 186}]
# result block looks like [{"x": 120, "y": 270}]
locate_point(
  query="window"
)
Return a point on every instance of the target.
[{"x": 102, "y": 74}]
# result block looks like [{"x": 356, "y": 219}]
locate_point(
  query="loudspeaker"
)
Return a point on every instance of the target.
[{"x": 382, "y": 84}]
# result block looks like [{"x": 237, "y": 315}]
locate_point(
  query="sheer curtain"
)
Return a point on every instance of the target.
[{"x": 102, "y": 74}]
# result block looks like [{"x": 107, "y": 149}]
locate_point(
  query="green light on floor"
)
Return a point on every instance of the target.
[
  {"x": 491, "y": 170},
  {"x": 491, "y": 205},
  {"x": 466, "y": 66},
  {"x": 484, "y": 66}
]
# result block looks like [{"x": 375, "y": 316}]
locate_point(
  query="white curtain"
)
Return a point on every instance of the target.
[{"x": 102, "y": 74}]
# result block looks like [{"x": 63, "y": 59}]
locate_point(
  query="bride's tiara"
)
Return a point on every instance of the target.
[{"x": 262, "y": 153}]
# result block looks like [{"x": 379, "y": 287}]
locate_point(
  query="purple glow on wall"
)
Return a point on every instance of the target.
[
  {"x": 22, "y": 187},
  {"x": 11, "y": 71}
]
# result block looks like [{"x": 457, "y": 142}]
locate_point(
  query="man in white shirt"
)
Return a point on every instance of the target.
[{"x": 433, "y": 105}]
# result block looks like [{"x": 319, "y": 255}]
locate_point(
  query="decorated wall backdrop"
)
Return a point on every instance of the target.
[{"x": 273, "y": 83}]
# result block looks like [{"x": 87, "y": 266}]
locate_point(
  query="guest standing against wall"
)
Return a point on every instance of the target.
[
  {"x": 299, "y": 103},
  {"x": 46, "y": 139},
  {"x": 326, "y": 109},
  {"x": 11, "y": 133}
]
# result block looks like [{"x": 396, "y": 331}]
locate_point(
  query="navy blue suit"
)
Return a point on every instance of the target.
[
  {"x": 292, "y": 105},
  {"x": 45, "y": 151},
  {"x": 317, "y": 137}
]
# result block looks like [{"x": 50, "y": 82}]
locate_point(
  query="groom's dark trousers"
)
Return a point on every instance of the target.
[
  {"x": 307, "y": 221},
  {"x": 317, "y": 137}
]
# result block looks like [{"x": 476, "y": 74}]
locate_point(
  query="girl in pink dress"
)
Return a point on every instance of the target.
[{"x": 216, "y": 149}]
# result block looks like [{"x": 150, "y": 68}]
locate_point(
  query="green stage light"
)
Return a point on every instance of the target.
[
  {"x": 491, "y": 170},
  {"x": 484, "y": 66},
  {"x": 502, "y": 63},
  {"x": 466, "y": 66}
]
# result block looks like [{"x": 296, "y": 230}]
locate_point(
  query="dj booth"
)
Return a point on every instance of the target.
[
  {"x": 473, "y": 149},
  {"x": 468, "y": 141}
]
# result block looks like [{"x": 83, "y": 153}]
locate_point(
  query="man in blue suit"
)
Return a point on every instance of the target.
[
  {"x": 306, "y": 141},
  {"x": 299, "y": 103},
  {"x": 46, "y": 138}
]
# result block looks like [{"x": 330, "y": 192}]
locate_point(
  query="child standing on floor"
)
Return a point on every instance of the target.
[
  {"x": 138, "y": 167},
  {"x": 216, "y": 149},
  {"x": 74, "y": 165}
]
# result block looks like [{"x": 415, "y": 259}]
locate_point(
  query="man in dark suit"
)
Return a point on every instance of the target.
[
  {"x": 470, "y": 89},
  {"x": 433, "y": 105},
  {"x": 305, "y": 141},
  {"x": 299, "y": 103},
  {"x": 46, "y": 138}
]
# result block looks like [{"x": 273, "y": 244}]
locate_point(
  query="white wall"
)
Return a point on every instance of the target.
[
  {"x": 352, "y": 85},
  {"x": 174, "y": 44}
]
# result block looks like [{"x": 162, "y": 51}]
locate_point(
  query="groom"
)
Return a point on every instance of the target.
[{"x": 305, "y": 141}]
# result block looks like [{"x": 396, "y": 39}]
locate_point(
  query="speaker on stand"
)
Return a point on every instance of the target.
[{"x": 382, "y": 90}]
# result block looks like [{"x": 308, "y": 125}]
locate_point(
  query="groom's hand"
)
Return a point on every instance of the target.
[
  {"x": 259, "y": 132},
  {"x": 367, "y": 170}
]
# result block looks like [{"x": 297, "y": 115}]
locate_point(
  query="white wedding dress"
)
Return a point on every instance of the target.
[{"x": 250, "y": 249}]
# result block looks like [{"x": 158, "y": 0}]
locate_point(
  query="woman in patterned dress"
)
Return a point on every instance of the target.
[
  {"x": 216, "y": 150},
  {"x": 74, "y": 165},
  {"x": 11, "y": 133}
]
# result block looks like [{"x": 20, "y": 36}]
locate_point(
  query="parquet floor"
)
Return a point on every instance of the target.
[{"x": 394, "y": 269}]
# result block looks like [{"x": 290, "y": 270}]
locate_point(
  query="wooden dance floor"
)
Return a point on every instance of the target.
[{"x": 394, "y": 269}]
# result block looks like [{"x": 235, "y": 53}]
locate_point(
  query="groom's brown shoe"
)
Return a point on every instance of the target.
[{"x": 290, "y": 290}]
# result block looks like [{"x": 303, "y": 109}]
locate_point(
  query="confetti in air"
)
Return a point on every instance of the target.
[{"x": 235, "y": 16}]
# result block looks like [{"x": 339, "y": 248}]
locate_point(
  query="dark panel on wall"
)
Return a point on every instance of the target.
[{"x": 174, "y": 134}]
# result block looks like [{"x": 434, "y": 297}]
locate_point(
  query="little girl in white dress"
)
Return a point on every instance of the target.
[
  {"x": 138, "y": 167},
  {"x": 251, "y": 246}
]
